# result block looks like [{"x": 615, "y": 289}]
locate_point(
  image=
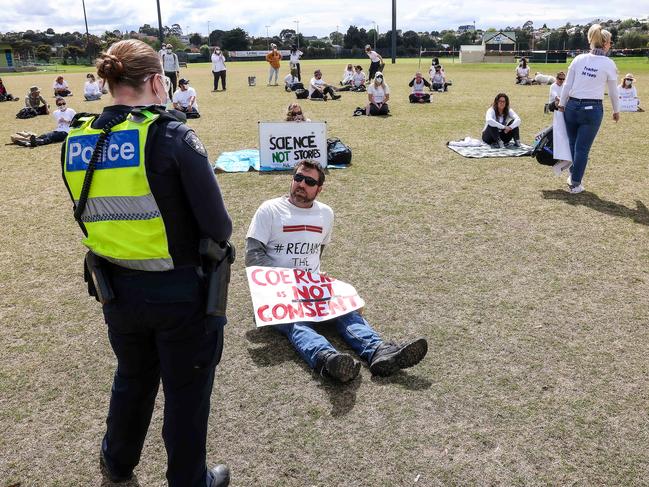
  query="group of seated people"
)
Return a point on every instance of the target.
[
  {"x": 523, "y": 75},
  {"x": 63, "y": 117}
]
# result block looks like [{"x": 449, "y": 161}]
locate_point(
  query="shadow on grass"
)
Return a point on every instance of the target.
[
  {"x": 639, "y": 215},
  {"x": 105, "y": 482},
  {"x": 404, "y": 379}
]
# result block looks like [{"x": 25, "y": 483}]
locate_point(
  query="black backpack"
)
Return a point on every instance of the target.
[
  {"x": 301, "y": 93},
  {"x": 27, "y": 113},
  {"x": 542, "y": 149},
  {"x": 337, "y": 152}
]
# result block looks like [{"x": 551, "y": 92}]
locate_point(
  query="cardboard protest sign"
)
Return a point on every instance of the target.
[
  {"x": 628, "y": 104},
  {"x": 282, "y": 295},
  {"x": 283, "y": 144}
]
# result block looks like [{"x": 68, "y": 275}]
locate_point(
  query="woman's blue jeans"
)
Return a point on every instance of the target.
[
  {"x": 583, "y": 118},
  {"x": 354, "y": 329}
]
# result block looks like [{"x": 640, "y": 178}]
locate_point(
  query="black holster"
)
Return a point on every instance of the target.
[
  {"x": 217, "y": 260},
  {"x": 95, "y": 273}
]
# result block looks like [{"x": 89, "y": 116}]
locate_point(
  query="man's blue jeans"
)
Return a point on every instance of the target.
[
  {"x": 583, "y": 119},
  {"x": 354, "y": 329}
]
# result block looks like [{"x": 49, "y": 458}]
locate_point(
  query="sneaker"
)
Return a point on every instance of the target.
[
  {"x": 336, "y": 97},
  {"x": 574, "y": 189},
  {"x": 105, "y": 470},
  {"x": 22, "y": 143},
  {"x": 336, "y": 365},
  {"x": 561, "y": 166},
  {"x": 501, "y": 144},
  {"x": 32, "y": 141},
  {"x": 218, "y": 476},
  {"x": 390, "y": 357},
  {"x": 517, "y": 143}
]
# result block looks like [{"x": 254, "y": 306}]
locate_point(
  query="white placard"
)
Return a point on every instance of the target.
[
  {"x": 629, "y": 104},
  {"x": 283, "y": 144},
  {"x": 254, "y": 53},
  {"x": 281, "y": 295}
]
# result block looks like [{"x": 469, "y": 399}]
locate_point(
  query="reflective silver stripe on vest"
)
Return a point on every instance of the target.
[
  {"x": 109, "y": 208},
  {"x": 151, "y": 265}
]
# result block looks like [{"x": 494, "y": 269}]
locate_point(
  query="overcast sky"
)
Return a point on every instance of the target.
[{"x": 315, "y": 18}]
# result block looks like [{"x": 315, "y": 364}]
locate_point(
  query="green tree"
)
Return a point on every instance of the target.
[
  {"x": 215, "y": 37},
  {"x": 632, "y": 40},
  {"x": 205, "y": 52},
  {"x": 195, "y": 39},
  {"x": 337, "y": 38},
  {"x": 235, "y": 40},
  {"x": 44, "y": 52},
  {"x": 176, "y": 43}
]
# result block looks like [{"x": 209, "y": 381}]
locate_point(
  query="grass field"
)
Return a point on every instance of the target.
[{"x": 535, "y": 302}]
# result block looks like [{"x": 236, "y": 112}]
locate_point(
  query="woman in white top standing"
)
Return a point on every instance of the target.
[
  {"x": 523, "y": 73},
  {"x": 626, "y": 91},
  {"x": 294, "y": 61},
  {"x": 501, "y": 123},
  {"x": 378, "y": 93},
  {"x": 376, "y": 61},
  {"x": 218, "y": 68},
  {"x": 581, "y": 100}
]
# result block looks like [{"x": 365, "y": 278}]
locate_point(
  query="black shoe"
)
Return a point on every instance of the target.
[
  {"x": 32, "y": 140},
  {"x": 113, "y": 477},
  {"x": 338, "y": 366},
  {"x": 390, "y": 357},
  {"x": 336, "y": 97},
  {"x": 219, "y": 476}
]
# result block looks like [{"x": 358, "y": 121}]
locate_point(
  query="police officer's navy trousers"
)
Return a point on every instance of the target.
[{"x": 158, "y": 330}]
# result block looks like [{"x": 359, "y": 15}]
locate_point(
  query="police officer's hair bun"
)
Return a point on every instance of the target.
[
  {"x": 598, "y": 36},
  {"x": 128, "y": 62}
]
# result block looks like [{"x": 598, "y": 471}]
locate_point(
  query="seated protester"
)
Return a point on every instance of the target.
[
  {"x": 348, "y": 75},
  {"x": 358, "y": 81},
  {"x": 265, "y": 244},
  {"x": 523, "y": 73},
  {"x": 292, "y": 82},
  {"x": 4, "y": 95},
  {"x": 35, "y": 101},
  {"x": 378, "y": 93},
  {"x": 438, "y": 79},
  {"x": 555, "y": 91},
  {"x": 626, "y": 90},
  {"x": 542, "y": 79},
  {"x": 318, "y": 89},
  {"x": 418, "y": 83},
  {"x": 91, "y": 89},
  {"x": 61, "y": 87},
  {"x": 184, "y": 99},
  {"x": 103, "y": 86},
  {"x": 433, "y": 65},
  {"x": 294, "y": 114},
  {"x": 63, "y": 117},
  {"x": 501, "y": 123}
]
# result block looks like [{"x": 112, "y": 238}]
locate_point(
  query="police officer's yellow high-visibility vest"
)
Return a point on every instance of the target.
[{"x": 121, "y": 216}]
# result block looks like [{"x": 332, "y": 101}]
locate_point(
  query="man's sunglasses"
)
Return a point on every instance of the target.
[
  {"x": 298, "y": 178},
  {"x": 561, "y": 79}
]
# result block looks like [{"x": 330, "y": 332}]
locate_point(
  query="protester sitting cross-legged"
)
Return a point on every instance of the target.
[
  {"x": 318, "y": 89},
  {"x": 357, "y": 82},
  {"x": 63, "y": 116},
  {"x": 438, "y": 78},
  {"x": 523, "y": 73},
  {"x": 378, "y": 93},
  {"x": 626, "y": 90},
  {"x": 4, "y": 95},
  {"x": 417, "y": 95},
  {"x": 60, "y": 87},
  {"x": 268, "y": 244},
  {"x": 292, "y": 83},
  {"x": 35, "y": 101},
  {"x": 501, "y": 123},
  {"x": 348, "y": 75},
  {"x": 91, "y": 89},
  {"x": 184, "y": 99}
]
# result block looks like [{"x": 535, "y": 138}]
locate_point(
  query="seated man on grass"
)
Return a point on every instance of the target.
[
  {"x": 63, "y": 116},
  {"x": 297, "y": 221},
  {"x": 184, "y": 99}
]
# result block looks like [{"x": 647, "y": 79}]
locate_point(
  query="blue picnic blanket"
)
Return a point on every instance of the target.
[{"x": 247, "y": 159}]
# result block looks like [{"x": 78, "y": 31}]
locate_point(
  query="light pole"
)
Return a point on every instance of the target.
[
  {"x": 297, "y": 32},
  {"x": 267, "y": 37},
  {"x": 208, "y": 32},
  {"x": 160, "y": 34},
  {"x": 394, "y": 31},
  {"x": 86, "y": 21}
]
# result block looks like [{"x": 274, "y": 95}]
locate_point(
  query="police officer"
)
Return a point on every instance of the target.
[{"x": 144, "y": 194}]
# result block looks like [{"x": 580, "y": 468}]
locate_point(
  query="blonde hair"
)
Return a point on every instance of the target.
[
  {"x": 598, "y": 36},
  {"x": 128, "y": 63}
]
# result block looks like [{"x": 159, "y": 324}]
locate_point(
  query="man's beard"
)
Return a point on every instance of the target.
[{"x": 299, "y": 196}]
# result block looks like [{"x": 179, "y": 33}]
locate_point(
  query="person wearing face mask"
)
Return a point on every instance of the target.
[
  {"x": 91, "y": 89},
  {"x": 418, "y": 84},
  {"x": 378, "y": 93},
  {"x": 627, "y": 92},
  {"x": 144, "y": 195},
  {"x": 171, "y": 67},
  {"x": 273, "y": 58},
  {"x": 63, "y": 116},
  {"x": 218, "y": 68}
]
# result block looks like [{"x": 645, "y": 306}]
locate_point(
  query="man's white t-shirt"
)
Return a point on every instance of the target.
[
  {"x": 293, "y": 236},
  {"x": 60, "y": 86},
  {"x": 359, "y": 79},
  {"x": 315, "y": 82},
  {"x": 379, "y": 92},
  {"x": 182, "y": 97},
  {"x": 66, "y": 116},
  {"x": 294, "y": 57}
]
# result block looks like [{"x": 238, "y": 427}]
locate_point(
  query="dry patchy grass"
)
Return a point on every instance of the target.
[{"x": 534, "y": 303}]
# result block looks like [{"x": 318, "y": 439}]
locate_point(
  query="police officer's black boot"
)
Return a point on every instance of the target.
[
  {"x": 219, "y": 476},
  {"x": 390, "y": 357},
  {"x": 337, "y": 365}
]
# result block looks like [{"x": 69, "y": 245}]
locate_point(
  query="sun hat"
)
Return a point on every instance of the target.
[{"x": 629, "y": 76}]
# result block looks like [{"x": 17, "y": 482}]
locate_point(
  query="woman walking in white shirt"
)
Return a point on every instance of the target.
[
  {"x": 501, "y": 123},
  {"x": 581, "y": 100},
  {"x": 376, "y": 61},
  {"x": 218, "y": 68}
]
